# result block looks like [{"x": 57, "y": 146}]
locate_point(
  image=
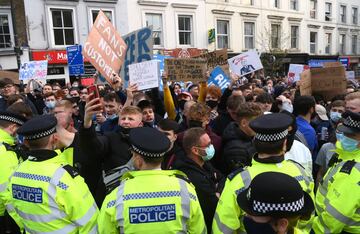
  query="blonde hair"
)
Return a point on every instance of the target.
[{"x": 352, "y": 96}]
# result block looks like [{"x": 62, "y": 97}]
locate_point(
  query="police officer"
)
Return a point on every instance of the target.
[
  {"x": 48, "y": 195},
  {"x": 151, "y": 200},
  {"x": 271, "y": 132},
  {"x": 274, "y": 202},
  {"x": 9, "y": 160},
  {"x": 338, "y": 197}
]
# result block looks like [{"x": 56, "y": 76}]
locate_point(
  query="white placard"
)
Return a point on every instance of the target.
[
  {"x": 33, "y": 70},
  {"x": 294, "y": 72},
  {"x": 145, "y": 74},
  {"x": 245, "y": 63}
]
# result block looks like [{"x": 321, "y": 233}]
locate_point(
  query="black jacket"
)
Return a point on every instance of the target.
[
  {"x": 170, "y": 157},
  {"x": 221, "y": 122},
  {"x": 238, "y": 148},
  {"x": 207, "y": 181}
]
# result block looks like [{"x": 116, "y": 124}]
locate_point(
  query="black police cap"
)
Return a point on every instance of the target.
[
  {"x": 149, "y": 142},
  {"x": 38, "y": 127},
  {"x": 271, "y": 127},
  {"x": 351, "y": 123},
  {"x": 12, "y": 117}
]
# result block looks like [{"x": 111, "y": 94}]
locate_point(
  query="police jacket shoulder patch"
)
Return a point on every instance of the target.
[
  {"x": 348, "y": 166},
  {"x": 183, "y": 178},
  {"x": 71, "y": 170},
  {"x": 234, "y": 173}
]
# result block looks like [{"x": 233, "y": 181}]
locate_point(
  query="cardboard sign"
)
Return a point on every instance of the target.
[
  {"x": 219, "y": 78},
  {"x": 294, "y": 72},
  {"x": 140, "y": 48},
  {"x": 215, "y": 58},
  {"x": 332, "y": 64},
  {"x": 186, "y": 69},
  {"x": 184, "y": 52},
  {"x": 327, "y": 82},
  {"x": 145, "y": 75},
  {"x": 104, "y": 47},
  {"x": 36, "y": 70},
  {"x": 245, "y": 63}
]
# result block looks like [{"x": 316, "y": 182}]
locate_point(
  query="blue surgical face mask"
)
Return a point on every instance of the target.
[
  {"x": 50, "y": 104},
  {"x": 348, "y": 144},
  {"x": 210, "y": 152},
  {"x": 335, "y": 116}
]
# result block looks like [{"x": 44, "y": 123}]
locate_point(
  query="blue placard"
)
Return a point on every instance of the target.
[
  {"x": 161, "y": 58},
  {"x": 344, "y": 62},
  {"x": 319, "y": 62},
  {"x": 219, "y": 78},
  {"x": 75, "y": 60}
]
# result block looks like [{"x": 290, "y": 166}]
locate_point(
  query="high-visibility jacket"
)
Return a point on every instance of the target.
[
  {"x": 152, "y": 201},
  {"x": 228, "y": 217},
  {"x": 50, "y": 197},
  {"x": 338, "y": 197},
  {"x": 8, "y": 163}
]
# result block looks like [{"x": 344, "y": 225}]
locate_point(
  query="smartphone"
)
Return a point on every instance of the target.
[{"x": 94, "y": 90}]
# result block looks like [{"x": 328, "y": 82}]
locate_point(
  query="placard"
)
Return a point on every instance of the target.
[
  {"x": 350, "y": 75},
  {"x": 189, "y": 69},
  {"x": 104, "y": 47},
  {"x": 140, "y": 48},
  {"x": 36, "y": 70},
  {"x": 294, "y": 72},
  {"x": 245, "y": 63},
  {"x": 219, "y": 78},
  {"x": 215, "y": 58},
  {"x": 145, "y": 75},
  {"x": 75, "y": 60}
]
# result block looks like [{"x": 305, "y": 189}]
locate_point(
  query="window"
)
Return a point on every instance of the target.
[
  {"x": 328, "y": 38},
  {"x": 313, "y": 39},
  {"x": 313, "y": 8},
  {"x": 5, "y": 31},
  {"x": 275, "y": 36},
  {"x": 63, "y": 26},
  {"x": 294, "y": 37},
  {"x": 277, "y": 3},
  {"x": 354, "y": 43},
  {"x": 354, "y": 13},
  {"x": 222, "y": 29},
  {"x": 95, "y": 12},
  {"x": 343, "y": 14},
  {"x": 294, "y": 5},
  {"x": 248, "y": 2},
  {"x": 249, "y": 35},
  {"x": 155, "y": 20},
  {"x": 342, "y": 44},
  {"x": 328, "y": 10},
  {"x": 185, "y": 29}
]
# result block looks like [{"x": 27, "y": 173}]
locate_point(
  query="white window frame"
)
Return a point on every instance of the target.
[
  {"x": 51, "y": 30},
  {"x": 343, "y": 45},
  {"x": 144, "y": 13},
  {"x": 297, "y": 38},
  {"x": 314, "y": 11},
  {"x": 316, "y": 42},
  {"x": 193, "y": 29},
  {"x": 297, "y": 5},
  {"x": 278, "y": 3},
  {"x": 90, "y": 9},
  {"x": 327, "y": 43},
  {"x": 340, "y": 13},
  {"x": 254, "y": 36},
  {"x": 7, "y": 11},
  {"x": 356, "y": 21},
  {"x": 354, "y": 50},
  {"x": 228, "y": 35},
  {"x": 251, "y": 2},
  {"x": 330, "y": 13},
  {"x": 271, "y": 37}
]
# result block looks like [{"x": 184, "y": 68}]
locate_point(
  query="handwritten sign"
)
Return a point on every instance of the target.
[
  {"x": 140, "y": 48},
  {"x": 145, "y": 75},
  {"x": 179, "y": 69},
  {"x": 104, "y": 47},
  {"x": 245, "y": 63},
  {"x": 34, "y": 70},
  {"x": 215, "y": 58},
  {"x": 294, "y": 72},
  {"x": 219, "y": 78}
]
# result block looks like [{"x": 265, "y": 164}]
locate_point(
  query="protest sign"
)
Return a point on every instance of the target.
[
  {"x": 328, "y": 82},
  {"x": 104, "y": 47},
  {"x": 145, "y": 75},
  {"x": 215, "y": 58},
  {"x": 180, "y": 69},
  {"x": 161, "y": 58},
  {"x": 294, "y": 72},
  {"x": 140, "y": 48},
  {"x": 219, "y": 78},
  {"x": 245, "y": 63},
  {"x": 36, "y": 70}
]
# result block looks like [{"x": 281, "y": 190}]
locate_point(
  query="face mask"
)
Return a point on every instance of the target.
[
  {"x": 335, "y": 116},
  {"x": 287, "y": 107},
  {"x": 182, "y": 104},
  {"x": 195, "y": 124},
  {"x": 50, "y": 104},
  {"x": 212, "y": 104},
  {"x": 347, "y": 143},
  {"x": 210, "y": 152},
  {"x": 111, "y": 117},
  {"x": 253, "y": 227}
]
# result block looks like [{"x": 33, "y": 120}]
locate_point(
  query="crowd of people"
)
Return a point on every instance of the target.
[{"x": 257, "y": 157}]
